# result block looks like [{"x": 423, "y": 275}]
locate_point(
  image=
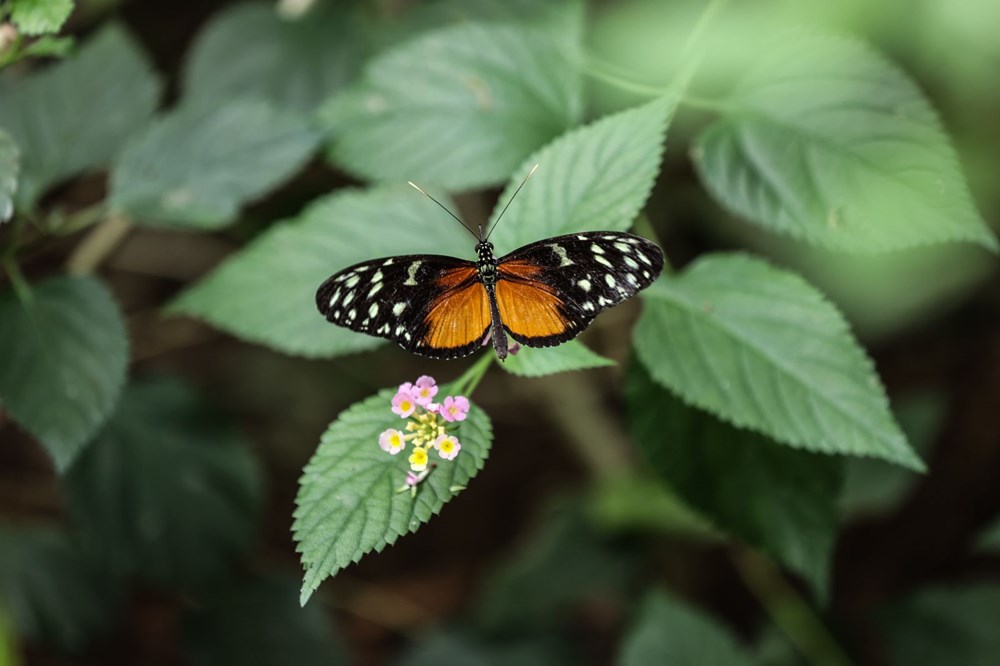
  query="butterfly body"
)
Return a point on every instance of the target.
[{"x": 541, "y": 295}]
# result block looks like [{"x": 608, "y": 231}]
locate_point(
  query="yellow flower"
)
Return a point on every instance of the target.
[{"x": 418, "y": 459}]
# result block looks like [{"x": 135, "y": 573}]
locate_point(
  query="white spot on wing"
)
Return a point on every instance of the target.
[
  {"x": 644, "y": 259},
  {"x": 622, "y": 247},
  {"x": 377, "y": 277},
  {"x": 560, "y": 251},
  {"x": 630, "y": 262},
  {"x": 588, "y": 306},
  {"x": 373, "y": 310},
  {"x": 584, "y": 284},
  {"x": 411, "y": 273},
  {"x": 601, "y": 260},
  {"x": 349, "y": 298},
  {"x": 351, "y": 281},
  {"x": 610, "y": 279},
  {"x": 398, "y": 308},
  {"x": 374, "y": 290},
  {"x": 335, "y": 298},
  {"x": 596, "y": 249}
]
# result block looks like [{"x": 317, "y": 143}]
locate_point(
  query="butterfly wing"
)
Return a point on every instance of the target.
[
  {"x": 429, "y": 304},
  {"x": 549, "y": 291}
]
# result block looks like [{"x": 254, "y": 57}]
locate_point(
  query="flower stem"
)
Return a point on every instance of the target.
[
  {"x": 101, "y": 242},
  {"x": 21, "y": 288},
  {"x": 470, "y": 379}
]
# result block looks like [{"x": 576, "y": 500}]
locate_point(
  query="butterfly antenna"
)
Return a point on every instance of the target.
[
  {"x": 511, "y": 200},
  {"x": 443, "y": 207}
]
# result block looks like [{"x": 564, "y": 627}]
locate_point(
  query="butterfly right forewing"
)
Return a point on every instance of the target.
[{"x": 429, "y": 304}]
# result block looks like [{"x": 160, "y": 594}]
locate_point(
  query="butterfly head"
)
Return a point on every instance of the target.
[{"x": 485, "y": 250}]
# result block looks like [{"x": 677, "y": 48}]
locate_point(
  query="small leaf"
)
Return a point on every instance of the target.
[
  {"x": 65, "y": 123},
  {"x": 266, "y": 293},
  {"x": 593, "y": 178},
  {"x": 572, "y": 355},
  {"x": 69, "y": 368},
  {"x": 667, "y": 632},
  {"x": 10, "y": 167},
  {"x": 775, "y": 498},
  {"x": 945, "y": 626},
  {"x": 181, "y": 527},
  {"x": 49, "y": 47},
  {"x": 260, "y": 623},
  {"x": 828, "y": 142},
  {"x": 197, "y": 165},
  {"x": 762, "y": 349},
  {"x": 249, "y": 50},
  {"x": 348, "y": 503},
  {"x": 459, "y": 108},
  {"x": 37, "y": 17},
  {"x": 50, "y": 591}
]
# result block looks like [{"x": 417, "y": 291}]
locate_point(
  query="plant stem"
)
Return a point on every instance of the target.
[
  {"x": 470, "y": 379},
  {"x": 787, "y": 609},
  {"x": 89, "y": 254}
]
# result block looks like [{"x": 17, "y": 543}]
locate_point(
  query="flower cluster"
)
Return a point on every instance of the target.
[{"x": 427, "y": 428}]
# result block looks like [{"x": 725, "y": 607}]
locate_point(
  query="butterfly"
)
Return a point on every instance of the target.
[{"x": 541, "y": 294}]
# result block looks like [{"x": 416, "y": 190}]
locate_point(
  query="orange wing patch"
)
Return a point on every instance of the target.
[
  {"x": 461, "y": 315},
  {"x": 530, "y": 310}
]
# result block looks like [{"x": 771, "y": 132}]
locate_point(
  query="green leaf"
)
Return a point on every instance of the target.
[
  {"x": 196, "y": 166},
  {"x": 50, "y": 591},
  {"x": 249, "y": 50},
  {"x": 266, "y": 293},
  {"x": 572, "y": 355},
  {"x": 65, "y": 123},
  {"x": 875, "y": 486},
  {"x": 260, "y": 623},
  {"x": 667, "y": 632},
  {"x": 762, "y": 349},
  {"x": 565, "y": 563},
  {"x": 459, "y": 108},
  {"x": 37, "y": 17},
  {"x": 944, "y": 626},
  {"x": 10, "y": 167},
  {"x": 69, "y": 368},
  {"x": 597, "y": 177},
  {"x": 348, "y": 503},
  {"x": 185, "y": 526},
  {"x": 776, "y": 498},
  {"x": 828, "y": 142}
]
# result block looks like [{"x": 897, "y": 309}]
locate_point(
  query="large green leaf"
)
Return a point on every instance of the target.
[
  {"x": 944, "y": 626},
  {"x": 828, "y": 142},
  {"x": 667, "y": 632},
  {"x": 458, "y": 108},
  {"x": 36, "y": 17},
  {"x": 180, "y": 527},
  {"x": 762, "y": 349},
  {"x": 776, "y": 498},
  {"x": 248, "y": 49},
  {"x": 10, "y": 167},
  {"x": 78, "y": 114},
  {"x": 260, "y": 623},
  {"x": 348, "y": 503},
  {"x": 573, "y": 355},
  {"x": 69, "y": 366},
  {"x": 266, "y": 293},
  {"x": 197, "y": 165},
  {"x": 596, "y": 177},
  {"x": 50, "y": 591}
]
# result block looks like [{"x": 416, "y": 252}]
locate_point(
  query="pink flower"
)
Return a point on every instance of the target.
[
  {"x": 447, "y": 446},
  {"x": 455, "y": 408},
  {"x": 392, "y": 441},
  {"x": 433, "y": 407},
  {"x": 403, "y": 403},
  {"x": 424, "y": 390}
]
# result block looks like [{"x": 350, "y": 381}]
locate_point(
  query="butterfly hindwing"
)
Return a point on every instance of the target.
[
  {"x": 429, "y": 304},
  {"x": 549, "y": 291}
]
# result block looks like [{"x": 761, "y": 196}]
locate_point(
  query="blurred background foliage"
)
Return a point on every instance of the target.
[{"x": 153, "y": 526}]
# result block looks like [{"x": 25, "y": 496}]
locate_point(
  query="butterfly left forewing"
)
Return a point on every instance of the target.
[
  {"x": 551, "y": 290},
  {"x": 429, "y": 304}
]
